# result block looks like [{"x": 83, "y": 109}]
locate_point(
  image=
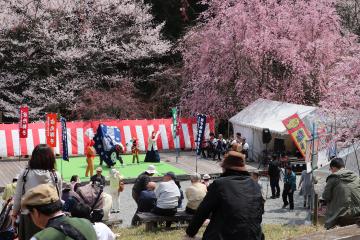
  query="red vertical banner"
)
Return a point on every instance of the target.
[
  {"x": 50, "y": 129},
  {"x": 24, "y": 122}
]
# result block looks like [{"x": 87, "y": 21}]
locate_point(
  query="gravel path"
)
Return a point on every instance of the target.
[{"x": 274, "y": 214}]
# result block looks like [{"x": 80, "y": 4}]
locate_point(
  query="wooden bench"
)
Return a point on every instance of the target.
[
  {"x": 113, "y": 222},
  {"x": 151, "y": 219}
]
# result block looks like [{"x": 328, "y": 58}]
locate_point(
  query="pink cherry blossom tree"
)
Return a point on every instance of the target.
[{"x": 283, "y": 50}]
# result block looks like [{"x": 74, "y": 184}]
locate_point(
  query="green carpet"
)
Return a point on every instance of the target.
[{"x": 77, "y": 166}]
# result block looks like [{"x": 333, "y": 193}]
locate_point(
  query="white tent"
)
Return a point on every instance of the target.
[{"x": 264, "y": 113}]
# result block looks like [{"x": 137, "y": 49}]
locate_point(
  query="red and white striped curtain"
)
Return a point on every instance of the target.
[{"x": 77, "y": 139}]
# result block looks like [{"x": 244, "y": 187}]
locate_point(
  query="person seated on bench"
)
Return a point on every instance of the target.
[
  {"x": 103, "y": 232},
  {"x": 147, "y": 198},
  {"x": 167, "y": 194},
  {"x": 206, "y": 180},
  {"x": 98, "y": 177},
  {"x": 195, "y": 193}
]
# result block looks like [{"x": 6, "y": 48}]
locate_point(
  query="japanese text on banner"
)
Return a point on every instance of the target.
[
  {"x": 64, "y": 139},
  {"x": 201, "y": 124},
  {"x": 50, "y": 129},
  {"x": 24, "y": 122},
  {"x": 298, "y": 132}
]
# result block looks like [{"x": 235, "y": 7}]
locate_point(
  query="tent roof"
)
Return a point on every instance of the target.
[{"x": 265, "y": 113}]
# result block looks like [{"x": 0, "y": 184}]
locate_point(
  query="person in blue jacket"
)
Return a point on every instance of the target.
[{"x": 289, "y": 187}]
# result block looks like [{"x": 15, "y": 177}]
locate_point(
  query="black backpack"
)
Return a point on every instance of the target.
[{"x": 5, "y": 220}]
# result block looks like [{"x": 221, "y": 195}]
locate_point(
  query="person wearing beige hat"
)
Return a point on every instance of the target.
[
  {"x": 195, "y": 193},
  {"x": 98, "y": 177},
  {"x": 233, "y": 202},
  {"x": 206, "y": 180},
  {"x": 43, "y": 205}
]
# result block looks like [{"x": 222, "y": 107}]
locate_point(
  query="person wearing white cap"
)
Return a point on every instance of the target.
[
  {"x": 116, "y": 186},
  {"x": 195, "y": 193},
  {"x": 206, "y": 180},
  {"x": 140, "y": 185},
  {"x": 98, "y": 177}
]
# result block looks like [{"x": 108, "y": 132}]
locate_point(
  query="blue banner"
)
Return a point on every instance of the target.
[
  {"x": 201, "y": 124},
  {"x": 65, "y": 154}
]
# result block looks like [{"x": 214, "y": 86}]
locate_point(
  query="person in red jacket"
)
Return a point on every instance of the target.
[{"x": 90, "y": 155}]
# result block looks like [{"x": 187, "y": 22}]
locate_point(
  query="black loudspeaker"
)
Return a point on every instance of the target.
[{"x": 266, "y": 137}]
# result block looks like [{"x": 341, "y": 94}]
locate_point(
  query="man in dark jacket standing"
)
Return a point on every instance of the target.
[
  {"x": 234, "y": 204},
  {"x": 274, "y": 174}
]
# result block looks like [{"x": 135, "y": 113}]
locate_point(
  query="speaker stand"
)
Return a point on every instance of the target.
[{"x": 264, "y": 160}]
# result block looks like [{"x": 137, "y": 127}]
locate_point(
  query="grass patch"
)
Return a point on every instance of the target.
[
  {"x": 77, "y": 166},
  {"x": 277, "y": 231},
  {"x": 271, "y": 231}
]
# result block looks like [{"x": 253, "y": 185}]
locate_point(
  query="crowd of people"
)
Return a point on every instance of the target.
[
  {"x": 214, "y": 148},
  {"x": 44, "y": 207}
]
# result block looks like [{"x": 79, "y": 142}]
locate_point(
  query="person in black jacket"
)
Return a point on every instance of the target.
[
  {"x": 274, "y": 174},
  {"x": 140, "y": 185},
  {"x": 147, "y": 198},
  {"x": 234, "y": 204},
  {"x": 98, "y": 177}
]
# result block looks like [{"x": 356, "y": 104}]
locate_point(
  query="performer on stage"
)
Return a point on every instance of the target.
[
  {"x": 135, "y": 151},
  {"x": 152, "y": 154},
  {"x": 115, "y": 153},
  {"x": 90, "y": 155}
]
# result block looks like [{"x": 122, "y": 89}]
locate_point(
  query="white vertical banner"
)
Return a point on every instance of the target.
[
  {"x": 68, "y": 132},
  {"x": 80, "y": 141},
  {"x": 16, "y": 139},
  {"x": 186, "y": 136},
  {"x": 30, "y": 142},
  {"x": 42, "y": 136},
  {"x": 57, "y": 148},
  {"x": 3, "y": 146},
  {"x": 194, "y": 127},
  {"x": 140, "y": 137},
  {"x": 164, "y": 138},
  {"x": 128, "y": 138}
]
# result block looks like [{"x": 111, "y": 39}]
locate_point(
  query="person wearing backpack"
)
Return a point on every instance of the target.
[
  {"x": 40, "y": 170},
  {"x": 43, "y": 205}
]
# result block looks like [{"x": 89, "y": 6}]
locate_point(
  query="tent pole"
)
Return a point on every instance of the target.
[{"x": 357, "y": 160}]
